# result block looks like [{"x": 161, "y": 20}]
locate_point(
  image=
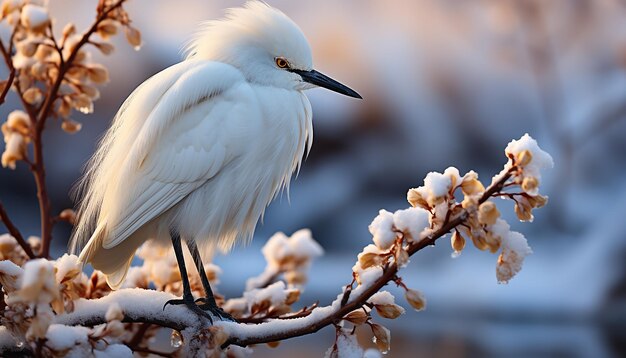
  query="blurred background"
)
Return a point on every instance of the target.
[{"x": 445, "y": 83}]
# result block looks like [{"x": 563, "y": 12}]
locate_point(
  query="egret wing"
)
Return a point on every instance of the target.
[{"x": 180, "y": 146}]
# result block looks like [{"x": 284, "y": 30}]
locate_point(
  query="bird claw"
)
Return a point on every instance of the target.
[
  {"x": 191, "y": 305},
  {"x": 220, "y": 313},
  {"x": 210, "y": 306}
]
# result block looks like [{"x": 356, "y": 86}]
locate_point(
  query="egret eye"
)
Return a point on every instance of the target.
[{"x": 281, "y": 62}]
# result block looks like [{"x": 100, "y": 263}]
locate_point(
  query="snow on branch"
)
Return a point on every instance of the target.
[{"x": 52, "y": 308}]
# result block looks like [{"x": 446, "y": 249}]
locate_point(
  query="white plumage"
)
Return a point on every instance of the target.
[{"x": 202, "y": 147}]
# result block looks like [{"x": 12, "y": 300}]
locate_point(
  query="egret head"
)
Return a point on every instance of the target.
[{"x": 265, "y": 45}]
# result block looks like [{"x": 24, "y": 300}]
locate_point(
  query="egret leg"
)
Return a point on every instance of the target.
[
  {"x": 187, "y": 299},
  {"x": 208, "y": 302}
]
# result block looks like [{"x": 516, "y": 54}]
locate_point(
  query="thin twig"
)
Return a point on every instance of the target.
[
  {"x": 9, "y": 62},
  {"x": 389, "y": 273},
  {"x": 15, "y": 232}
]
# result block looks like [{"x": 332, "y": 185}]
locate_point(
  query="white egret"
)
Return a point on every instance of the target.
[{"x": 199, "y": 150}]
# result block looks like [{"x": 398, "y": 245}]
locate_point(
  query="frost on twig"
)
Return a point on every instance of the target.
[{"x": 52, "y": 308}]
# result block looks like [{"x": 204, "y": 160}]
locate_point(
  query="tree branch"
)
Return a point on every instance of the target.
[
  {"x": 146, "y": 306},
  {"x": 6, "y": 54},
  {"x": 15, "y": 232},
  {"x": 45, "y": 111}
]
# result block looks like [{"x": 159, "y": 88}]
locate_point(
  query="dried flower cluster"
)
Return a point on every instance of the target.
[
  {"x": 41, "y": 290},
  {"x": 54, "y": 72},
  {"x": 434, "y": 206},
  {"x": 51, "y": 72},
  {"x": 289, "y": 257}
]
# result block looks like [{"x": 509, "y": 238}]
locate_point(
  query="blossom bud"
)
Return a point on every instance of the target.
[
  {"x": 70, "y": 126},
  {"x": 90, "y": 91},
  {"x": 34, "y": 17},
  {"x": 8, "y": 7},
  {"x": 382, "y": 337},
  {"x": 14, "y": 150},
  {"x": 479, "y": 241},
  {"x": 42, "y": 53},
  {"x": 523, "y": 210},
  {"x": 416, "y": 299},
  {"x": 19, "y": 122},
  {"x": 26, "y": 48},
  {"x": 273, "y": 344},
  {"x": 369, "y": 259},
  {"x": 69, "y": 30},
  {"x": 488, "y": 213},
  {"x": 107, "y": 28},
  {"x": 471, "y": 185},
  {"x": 133, "y": 36},
  {"x": 457, "y": 242},
  {"x": 415, "y": 198},
  {"x": 529, "y": 185},
  {"x": 98, "y": 73},
  {"x": 524, "y": 158},
  {"x": 295, "y": 277},
  {"x": 391, "y": 311},
  {"x": 493, "y": 242},
  {"x": 82, "y": 102},
  {"x": 33, "y": 95},
  {"x": 81, "y": 55},
  {"x": 115, "y": 328},
  {"x": 292, "y": 296},
  {"x": 64, "y": 108},
  {"x": 356, "y": 317},
  {"x": 105, "y": 48},
  {"x": 538, "y": 201}
]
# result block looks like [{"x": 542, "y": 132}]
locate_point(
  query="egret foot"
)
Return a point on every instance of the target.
[
  {"x": 191, "y": 305},
  {"x": 208, "y": 304}
]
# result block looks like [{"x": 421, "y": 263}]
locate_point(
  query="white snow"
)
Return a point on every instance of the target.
[
  {"x": 275, "y": 293},
  {"x": 540, "y": 158},
  {"x": 501, "y": 228},
  {"x": 382, "y": 298},
  {"x": 516, "y": 242},
  {"x": 454, "y": 175},
  {"x": 34, "y": 17},
  {"x": 137, "y": 303},
  {"x": 300, "y": 244},
  {"x": 61, "y": 337},
  {"x": 114, "y": 313},
  {"x": 347, "y": 347},
  {"x": 7, "y": 267},
  {"x": 382, "y": 229},
  {"x": 38, "y": 283},
  {"x": 114, "y": 351},
  {"x": 65, "y": 264},
  {"x": 438, "y": 184},
  {"x": 372, "y": 353},
  {"x": 413, "y": 221},
  {"x": 10, "y": 275},
  {"x": 369, "y": 275},
  {"x": 239, "y": 304},
  {"x": 135, "y": 277},
  {"x": 238, "y": 352}
]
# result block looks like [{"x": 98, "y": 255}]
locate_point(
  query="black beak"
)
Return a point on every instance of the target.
[{"x": 322, "y": 80}]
